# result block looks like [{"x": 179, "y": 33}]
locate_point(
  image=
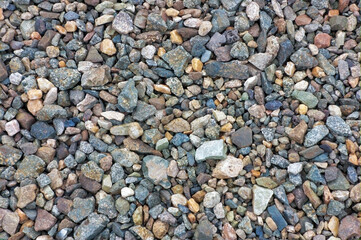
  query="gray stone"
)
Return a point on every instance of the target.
[
  {"x": 155, "y": 169},
  {"x": 215, "y": 149},
  {"x": 90, "y": 228},
  {"x": 303, "y": 59},
  {"x": 315, "y": 135},
  {"x": 123, "y": 23},
  {"x": 177, "y": 59},
  {"x": 338, "y": 126},
  {"x": 261, "y": 198},
  {"x": 65, "y": 78},
  {"x": 306, "y": 98},
  {"x": 81, "y": 209},
  {"x": 128, "y": 98}
]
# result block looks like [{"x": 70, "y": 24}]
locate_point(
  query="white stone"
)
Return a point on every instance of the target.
[
  {"x": 335, "y": 110},
  {"x": 205, "y": 28},
  {"x": 178, "y": 199},
  {"x": 250, "y": 83},
  {"x": 228, "y": 168},
  {"x": 211, "y": 199},
  {"x": 127, "y": 192},
  {"x": 113, "y": 115},
  {"x": 15, "y": 78},
  {"x": 295, "y": 168},
  {"x": 252, "y": 11},
  {"x": 301, "y": 85},
  {"x": 12, "y": 127},
  {"x": 219, "y": 211},
  {"x": 148, "y": 52},
  {"x": 261, "y": 197}
]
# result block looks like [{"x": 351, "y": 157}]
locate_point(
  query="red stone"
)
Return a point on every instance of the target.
[
  {"x": 342, "y": 4},
  {"x": 302, "y": 20},
  {"x": 44, "y": 220},
  {"x": 322, "y": 40}
]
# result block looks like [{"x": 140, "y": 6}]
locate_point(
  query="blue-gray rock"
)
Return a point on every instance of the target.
[
  {"x": 42, "y": 130},
  {"x": 128, "y": 98},
  {"x": 279, "y": 161},
  {"x": 303, "y": 59},
  {"x": 215, "y": 150},
  {"x": 315, "y": 135},
  {"x": 277, "y": 217},
  {"x": 143, "y": 111},
  {"x": 30, "y": 167},
  {"x": 49, "y": 112},
  {"x": 338, "y": 126},
  {"x": 177, "y": 59},
  {"x": 81, "y": 209},
  {"x": 285, "y": 51},
  {"x": 90, "y": 228},
  {"x": 220, "y": 20},
  {"x": 234, "y": 69},
  {"x": 65, "y": 78},
  {"x": 315, "y": 175},
  {"x": 9, "y": 155}
]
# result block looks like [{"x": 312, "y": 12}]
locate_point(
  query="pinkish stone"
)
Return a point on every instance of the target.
[{"x": 12, "y": 127}]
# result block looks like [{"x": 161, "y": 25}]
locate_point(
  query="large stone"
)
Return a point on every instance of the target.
[
  {"x": 9, "y": 155},
  {"x": 30, "y": 167},
  {"x": 261, "y": 197},
  {"x": 49, "y": 112},
  {"x": 261, "y": 60},
  {"x": 215, "y": 150},
  {"x": 211, "y": 199},
  {"x": 65, "y": 78},
  {"x": 133, "y": 129},
  {"x": 81, "y": 209},
  {"x": 234, "y": 69},
  {"x": 42, "y": 130},
  {"x": 91, "y": 227},
  {"x": 123, "y": 23},
  {"x": 315, "y": 135},
  {"x": 128, "y": 98},
  {"x": 25, "y": 195},
  {"x": 44, "y": 220},
  {"x": 338, "y": 126},
  {"x": 350, "y": 228},
  {"x": 96, "y": 77},
  {"x": 177, "y": 59},
  {"x": 155, "y": 169},
  {"x": 242, "y": 137},
  {"x": 298, "y": 133},
  {"x": 303, "y": 59},
  {"x": 228, "y": 168},
  {"x": 10, "y": 222},
  {"x": 204, "y": 230},
  {"x": 177, "y": 125}
]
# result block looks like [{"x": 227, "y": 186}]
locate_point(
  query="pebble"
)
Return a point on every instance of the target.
[{"x": 180, "y": 119}]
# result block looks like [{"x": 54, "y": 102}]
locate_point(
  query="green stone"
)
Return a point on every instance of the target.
[{"x": 306, "y": 98}]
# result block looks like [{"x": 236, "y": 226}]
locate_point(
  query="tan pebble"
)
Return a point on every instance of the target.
[
  {"x": 1, "y": 14},
  {"x": 60, "y": 29},
  {"x": 333, "y": 225},
  {"x": 318, "y": 72},
  {"x": 52, "y": 51},
  {"x": 204, "y": 28},
  {"x": 62, "y": 64},
  {"x": 171, "y": 12},
  {"x": 271, "y": 224},
  {"x": 175, "y": 37},
  {"x": 161, "y": 51},
  {"x": 35, "y": 36},
  {"x": 107, "y": 47},
  {"x": 70, "y": 26},
  {"x": 252, "y": 44},
  {"x": 193, "y": 205},
  {"x": 34, "y": 106},
  {"x": 34, "y": 94},
  {"x": 302, "y": 109},
  {"x": 279, "y": 81},
  {"x": 226, "y": 127},
  {"x": 197, "y": 65},
  {"x": 162, "y": 88},
  {"x": 290, "y": 69}
]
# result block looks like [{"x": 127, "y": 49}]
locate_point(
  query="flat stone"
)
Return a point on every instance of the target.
[
  {"x": 242, "y": 137},
  {"x": 306, "y": 98},
  {"x": 315, "y": 135},
  {"x": 42, "y": 130},
  {"x": 260, "y": 60},
  {"x": 155, "y": 169},
  {"x": 261, "y": 198},
  {"x": 215, "y": 150},
  {"x": 9, "y": 155},
  {"x": 234, "y": 69},
  {"x": 303, "y": 59},
  {"x": 65, "y": 78},
  {"x": 49, "y": 112},
  {"x": 44, "y": 220},
  {"x": 133, "y": 129},
  {"x": 177, "y": 125},
  {"x": 10, "y": 222},
  {"x": 96, "y": 77},
  {"x": 338, "y": 126},
  {"x": 277, "y": 217},
  {"x": 30, "y": 167},
  {"x": 228, "y": 168}
]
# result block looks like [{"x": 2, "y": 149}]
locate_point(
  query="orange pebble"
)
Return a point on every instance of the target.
[
  {"x": 35, "y": 35},
  {"x": 62, "y": 64}
]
